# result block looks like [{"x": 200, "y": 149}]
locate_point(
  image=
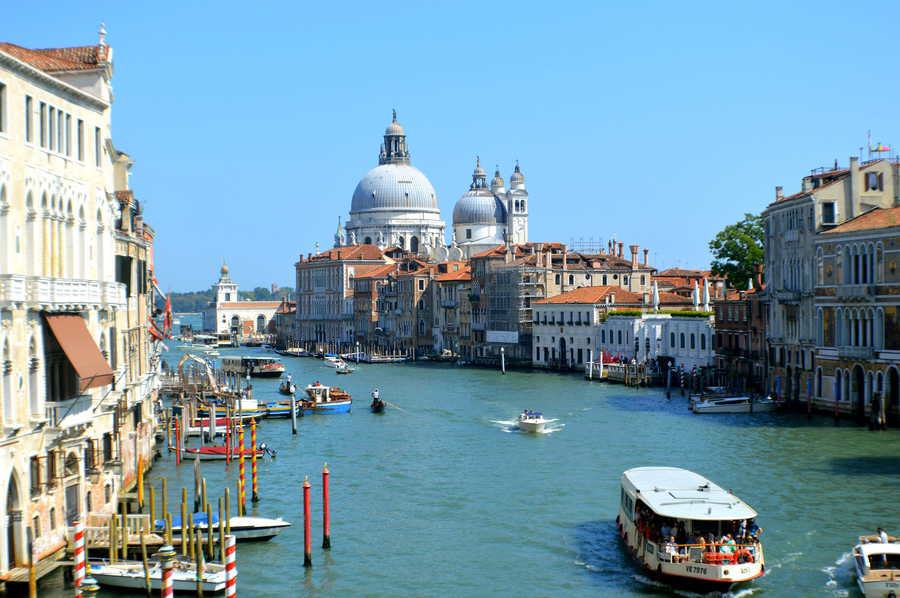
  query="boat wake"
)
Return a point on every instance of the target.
[
  {"x": 839, "y": 575},
  {"x": 741, "y": 593},
  {"x": 511, "y": 426}
]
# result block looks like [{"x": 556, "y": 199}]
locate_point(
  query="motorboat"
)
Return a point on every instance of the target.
[
  {"x": 292, "y": 352},
  {"x": 326, "y": 399},
  {"x": 377, "y": 405},
  {"x": 243, "y": 527},
  {"x": 532, "y": 421},
  {"x": 734, "y": 404},
  {"x": 130, "y": 574},
  {"x": 877, "y": 566},
  {"x": 283, "y": 409},
  {"x": 220, "y": 453},
  {"x": 344, "y": 368},
  {"x": 334, "y": 361},
  {"x": 674, "y": 497},
  {"x": 287, "y": 386}
]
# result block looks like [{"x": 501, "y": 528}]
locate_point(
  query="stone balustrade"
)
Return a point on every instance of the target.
[{"x": 60, "y": 293}]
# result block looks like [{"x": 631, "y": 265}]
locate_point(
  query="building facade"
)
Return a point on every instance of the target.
[
  {"x": 227, "y": 314},
  {"x": 857, "y": 365},
  {"x": 828, "y": 198},
  {"x": 73, "y": 345}
]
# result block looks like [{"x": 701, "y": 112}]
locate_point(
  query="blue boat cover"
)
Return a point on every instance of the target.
[{"x": 198, "y": 518}]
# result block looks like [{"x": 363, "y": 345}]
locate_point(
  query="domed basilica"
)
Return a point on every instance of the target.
[{"x": 395, "y": 205}]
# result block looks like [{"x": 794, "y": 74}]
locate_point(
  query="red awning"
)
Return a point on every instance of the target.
[{"x": 76, "y": 341}]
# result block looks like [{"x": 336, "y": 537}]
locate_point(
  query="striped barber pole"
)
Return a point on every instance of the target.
[
  {"x": 230, "y": 567},
  {"x": 78, "y": 569},
  {"x": 167, "y": 556}
]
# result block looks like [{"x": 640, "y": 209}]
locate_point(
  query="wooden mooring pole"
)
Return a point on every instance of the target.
[
  {"x": 326, "y": 512},
  {"x": 307, "y": 527}
]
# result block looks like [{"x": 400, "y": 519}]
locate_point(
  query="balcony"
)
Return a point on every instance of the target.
[
  {"x": 70, "y": 412},
  {"x": 855, "y": 291},
  {"x": 787, "y": 296},
  {"x": 856, "y": 352},
  {"x": 60, "y": 293}
]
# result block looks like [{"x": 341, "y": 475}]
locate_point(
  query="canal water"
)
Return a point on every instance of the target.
[{"x": 438, "y": 497}]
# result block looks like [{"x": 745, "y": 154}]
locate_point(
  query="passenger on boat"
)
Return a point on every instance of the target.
[
  {"x": 754, "y": 531},
  {"x": 883, "y": 536},
  {"x": 375, "y": 394}
]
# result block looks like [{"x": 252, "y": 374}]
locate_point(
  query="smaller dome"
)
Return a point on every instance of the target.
[
  {"x": 517, "y": 179},
  {"x": 497, "y": 183},
  {"x": 479, "y": 206},
  {"x": 394, "y": 128}
]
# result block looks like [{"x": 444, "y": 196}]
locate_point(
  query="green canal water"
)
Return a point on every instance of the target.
[{"x": 438, "y": 497}]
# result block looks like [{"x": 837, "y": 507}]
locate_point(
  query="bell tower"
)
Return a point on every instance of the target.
[
  {"x": 517, "y": 207},
  {"x": 225, "y": 288}
]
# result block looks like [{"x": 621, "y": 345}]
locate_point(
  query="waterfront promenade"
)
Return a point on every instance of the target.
[{"x": 438, "y": 499}]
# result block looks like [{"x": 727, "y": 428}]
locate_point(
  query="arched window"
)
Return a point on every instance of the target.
[
  {"x": 672, "y": 339},
  {"x": 571, "y": 279},
  {"x": 838, "y": 388},
  {"x": 693, "y": 341},
  {"x": 414, "y": 244},
  {"x": 260, "y": 323},
  {"x": 235, "y": 321},
  {"x": 604, "y": 280},
  {"x": 401, "y": 242},
  {"x": 703, "y": 342},
  {"x": 367, "y": 241}
]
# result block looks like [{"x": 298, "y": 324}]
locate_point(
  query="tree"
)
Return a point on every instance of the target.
[{"x": 737, "y": 249}]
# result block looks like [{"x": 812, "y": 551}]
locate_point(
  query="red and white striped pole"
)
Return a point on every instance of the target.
[
  {"x": 167, "y": 555},
  {"x": 78, "y": 569},
  {"x": 230, "y": 567}
]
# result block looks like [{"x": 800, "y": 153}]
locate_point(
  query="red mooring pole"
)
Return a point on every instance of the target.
[
  {"x": 326, "y": 515},
  {"x": 307, "y": 526},
  {"x": 254, "y": 496}
]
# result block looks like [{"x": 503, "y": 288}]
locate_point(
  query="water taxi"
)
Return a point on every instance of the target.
[
  {"x": 130, "y": 574},
  {"x": 257, "y": 367},
  {"x": 334, "y": 361},
  {"x": 877, "y": 565},
  {"x": 734, "y": 404},
  {"x": 532, "y": 421},
  {"x": 698, "y": 514},
  {"x": 326, "y": 399}
]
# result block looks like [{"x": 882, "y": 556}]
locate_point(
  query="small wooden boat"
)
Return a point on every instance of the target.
[
  {"x": 532, "y": 421},
  {"x": 130, "y": 574},
  {"x": 377, "y": 405},
  {"x": 220, "y": 453},
  {"x": 243, "y": 528},
  {"x": 326, "y": 399},
  {"x": 283, "y": 409},
  {"x": 877, "y": 566},
  {"x": 287, "y": 386}
]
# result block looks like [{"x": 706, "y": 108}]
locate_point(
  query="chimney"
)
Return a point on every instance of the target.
[
  {"x": 634, "y": 252},
  {"x": 565, "y": 264},
  {"x": 779, "y": 193},
  {"x": 621, "y": 248},
  {"x": 758, "y": 283},
  {"x": 646, "y": 253}
]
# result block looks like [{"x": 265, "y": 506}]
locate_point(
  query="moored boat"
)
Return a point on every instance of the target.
[
  {"x": 734, "y": 404},
  {"x": 333, "y": 361},
  {"x": 283, "y": 409},
  {"x": 243, "y": 527},
  {"x": 876, "y": 563},
  {"x": 532, "y": 421},
  {"x": 686, "y": 530},
  {"x": 220, "y": 453},
  {"x": 130, "y": 574},
  {"x": 326, "y": 399},
  {"x": 257, "y": 367}
]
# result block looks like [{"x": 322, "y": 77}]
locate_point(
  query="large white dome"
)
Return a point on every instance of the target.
[
  {"x": 394, "y": 187},
  {"x": 479, "y": 206}
]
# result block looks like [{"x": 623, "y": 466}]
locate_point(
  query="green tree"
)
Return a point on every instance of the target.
[{"x": 737, "y": 249}]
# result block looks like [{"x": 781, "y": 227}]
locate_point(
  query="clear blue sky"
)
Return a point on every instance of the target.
[{"x": 659, "y": 122}]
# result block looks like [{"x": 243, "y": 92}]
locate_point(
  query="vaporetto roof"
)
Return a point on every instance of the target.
[{"x": 681, "y": 494}]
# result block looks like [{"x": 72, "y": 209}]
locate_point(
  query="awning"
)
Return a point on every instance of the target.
[{"x": 76, "y": 341}]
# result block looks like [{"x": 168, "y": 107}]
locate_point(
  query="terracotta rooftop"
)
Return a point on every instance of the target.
[
  {"x": 873, "y": 219},
  {"x": 351, "y": 252},
  {"x": 55, "y": 60},
  {"x": 374, "y": 271},
  {"x": 591, "y": 295},
  {"x": 462, "y": 274},
  {"x": 683, "y": 273},
  {"x": 286, "y": 307}
]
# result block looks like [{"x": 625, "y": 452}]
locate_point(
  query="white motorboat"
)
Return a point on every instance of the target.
[
  {"x": 877, "y": 566},
  {"x": 130, "y": 574},
  {"x": 333, "y": 361},
  {"x": 532, "y": 421},
  {"x": 734, "y": 404},
  {"x": 344, "y": 368},
  {"x": 243, "y": 528},
  {"x": 653, "y": 497}
]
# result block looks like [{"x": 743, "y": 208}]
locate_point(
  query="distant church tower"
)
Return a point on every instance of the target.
[
  {"x": 517, "y": 207},
  {"x": 226, "y": 289}
]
